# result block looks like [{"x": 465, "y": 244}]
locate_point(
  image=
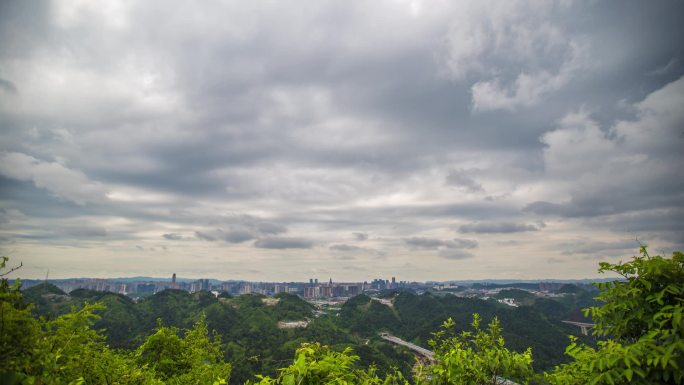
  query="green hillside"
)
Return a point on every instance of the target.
[
  {"x": 416, "y": 317},
  {"x": 244, "y": 338},
  {"x": 248, "y": 325}
]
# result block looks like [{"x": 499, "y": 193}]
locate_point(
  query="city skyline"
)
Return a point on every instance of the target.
[
  {"x": 304, "y": 281},
  {"x": 138, "y": 287},
  {"x": 261, "y": 140}
]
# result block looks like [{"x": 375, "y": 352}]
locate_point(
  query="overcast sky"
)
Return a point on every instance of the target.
[{"x": 274, "y": 140}]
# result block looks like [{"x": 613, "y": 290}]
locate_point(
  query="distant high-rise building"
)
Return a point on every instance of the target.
[
  {"x": 173, "y": 278},
  {"x": 353, "y": 290},
  {"x": 312, "y": 292},
  {"x": 337, "y": 291},
  {"x": 325, "y": 291},
  {"x": 246, "y": 289}
]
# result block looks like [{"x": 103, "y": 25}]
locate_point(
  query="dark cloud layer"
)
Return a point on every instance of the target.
[
  {"x": 230, "y": 236},
  {"x": 499, "y": 227},
  {"x": 252, "y": 126},
  {"x": 345, "y": 248},
  {"x": 432, "y": 243},
  {"x": 460, "y": 178},
  {"x": 283, "y": 243},
  {"x": 360, "y": 236},
  {"x": 173, "y": 237},
  {"x": 424, "y": 243}
]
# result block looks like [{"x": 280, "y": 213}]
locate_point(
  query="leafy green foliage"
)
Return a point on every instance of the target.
[
  {"x": 60, "y": 351},
  {"x": 650, "y": 297},
  {"x": 640, "y": 321},
  {"x": 254, "y": 344},
  {"x": 642, "y": 317},
  {"x": 317, "y": 365},
  {"x": 475, "y": 358},
  {"x": 195, "y": 359},
  {"x": 68, "y": 350},
  {"x": 19, "y": 332}
]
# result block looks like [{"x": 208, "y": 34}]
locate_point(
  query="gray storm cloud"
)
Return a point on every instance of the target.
[
  {"x": 283, "y": 243},
  {"x": 345, "y": 248},
  {"x": 499, "y": 227},
  {"x": 389, "y": 133}
]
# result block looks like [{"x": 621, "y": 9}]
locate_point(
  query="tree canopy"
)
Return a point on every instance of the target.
[
  {"x": 638, "y": 321},
  {"x": 641, "y": 317}
]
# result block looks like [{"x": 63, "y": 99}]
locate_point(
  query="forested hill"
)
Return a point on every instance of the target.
[
  {"x": 248, "y": 324},
  {"x": 416, "y": 317},
  {"x": 175, "y": 338}
]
